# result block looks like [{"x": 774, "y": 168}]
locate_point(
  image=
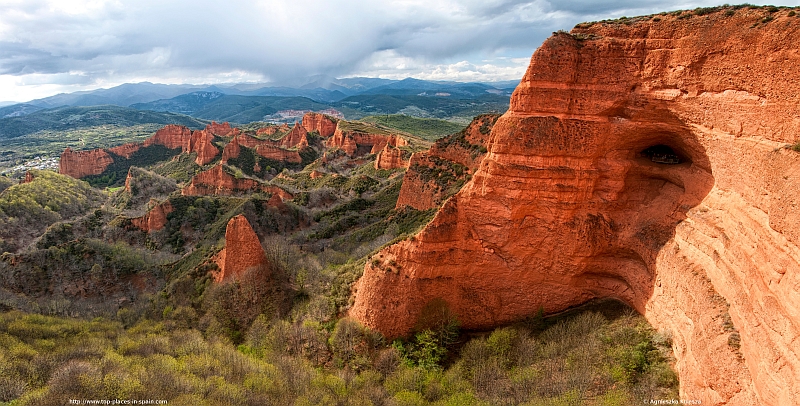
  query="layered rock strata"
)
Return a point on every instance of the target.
[{"x": 642, "y": 160}]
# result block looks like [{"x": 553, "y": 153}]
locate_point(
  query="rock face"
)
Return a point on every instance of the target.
[
  {"x": 28, "y": 177},
  {"x": 273, "y": 129},
  {"x": 94, "y": 162},
  {"x": 643, "y": 161},
  {"x": 432, "y": 174},
  {"x": 216, "y": 181},
  {"x": 390, "y": 158},
  {"x": 296, "y": 138},
  {"x": 242, "y": 251},
  {"x": 84, "y": 163},
  {"x": 222, "y": 130},
  {"x": 201, "y": 142},
  {"x": 155, "y": 219},
  {"x": 171, "y": 136},
  {"x": 322, "y": 124},
  {"x": 356, "y": 143}
]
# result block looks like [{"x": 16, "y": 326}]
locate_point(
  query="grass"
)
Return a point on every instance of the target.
[
  {"x": 427, "y": 128},
  {"x": 604, "y": 354}
]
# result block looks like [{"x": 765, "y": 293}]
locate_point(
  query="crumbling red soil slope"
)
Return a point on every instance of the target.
[
  {"x": 242, "y": 251},
  {"x": 568, "y": 205}
]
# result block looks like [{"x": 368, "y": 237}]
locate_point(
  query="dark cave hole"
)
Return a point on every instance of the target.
[{"x": 662, "y": 154}]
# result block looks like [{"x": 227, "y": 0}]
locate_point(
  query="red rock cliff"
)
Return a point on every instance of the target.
[
  {"x": 242, "y": 251},
  {"x": 390, "y": 158},
  {"x": 171, "y": 136},
  {"x": 201, "y": 142},
  {"x": 320, "y": 123},
  {"x": 572, "y": 203},
  {"x": 84, "y": 163}
]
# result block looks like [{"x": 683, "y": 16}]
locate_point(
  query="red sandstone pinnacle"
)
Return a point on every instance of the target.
[
  {"x": 28, "y": 177},
  {"x": 296, "y": 138},
  {"x": 322, "y": 124},
  {"x": 358, "y": 143},
  {"x": 242, "y": 251},
  {"x": 568, "y": 206}
]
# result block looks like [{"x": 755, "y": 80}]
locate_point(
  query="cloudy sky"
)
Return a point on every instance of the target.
[{"x": 55, "y": 46}]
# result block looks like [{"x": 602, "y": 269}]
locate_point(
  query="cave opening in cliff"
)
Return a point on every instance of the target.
[{"x": 662, "y": 154}]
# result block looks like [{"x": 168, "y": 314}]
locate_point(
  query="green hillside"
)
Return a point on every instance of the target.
[
  {"x": 71, "y": 118},
  {"x": 428, "y": 128}
]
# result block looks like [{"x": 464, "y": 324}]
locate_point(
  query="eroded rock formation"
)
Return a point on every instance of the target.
[
  {"x": 322, "y": 124},
  {"x": 171, "y": 136},
  {"x": 242, "y": 251},
  {"x": 391, "y": 158},
  {"x": 432, "y": 174},
  {"x": 84, "y": 163},
  {"x": 155, "y": 219},
  {"x": 642, "y": 160},
  {"x": 201, "y": 142},
  {"x": 356, "y": 143}
]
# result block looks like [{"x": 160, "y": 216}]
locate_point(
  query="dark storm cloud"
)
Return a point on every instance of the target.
[{"x": 184, "y": 40}]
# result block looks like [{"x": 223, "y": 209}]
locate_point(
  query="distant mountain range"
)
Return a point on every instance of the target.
[{"x": 243, "y": 103}]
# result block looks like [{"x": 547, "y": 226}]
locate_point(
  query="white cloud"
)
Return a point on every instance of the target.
[{"x": 63, "y": 45}]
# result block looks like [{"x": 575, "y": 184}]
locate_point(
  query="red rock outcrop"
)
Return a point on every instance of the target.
[
  {"x": 233, "y": 148},
  {"x": 84, "y": 163},
  {"x": 216, "y": 181},
  {"x": 222, "y": 130},
  {"x": 456, "y": 155},
  {"x": 356, "y": 142},
  {"x": 242, "y": 251},
  {"x": 322, "y": 124},
  {"x": 171, "y": 136},
  {"x": 296, "y": 138},
  {"x": 278, "y": 154},
  {"x": 201, "y": 142},
  {"x": 267, "y": 148},
  {"x": 28, "y": 177},
  {"x": 642, "y": 160},
  {"x": 273, "y": 129},
  {"x": 155, "y": 219},
  {"x": 390, "y": 158}
]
